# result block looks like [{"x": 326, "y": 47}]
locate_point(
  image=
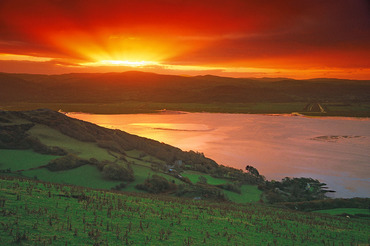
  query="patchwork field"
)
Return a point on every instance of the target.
[
  {"x": 88, "y": 158},
  {"x": 22, "y": 161}
]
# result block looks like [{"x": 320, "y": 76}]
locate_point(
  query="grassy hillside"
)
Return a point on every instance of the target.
[
  {"x": 138, "y": 92},
  {"x": 17, "y": 160},
  {"x": 346, "y": 211},
  {"x": 38, "y": 213}
]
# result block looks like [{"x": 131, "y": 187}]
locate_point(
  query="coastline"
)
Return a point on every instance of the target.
[
  {"x": 300, "y": 149},
  {"x": 138, "y": 107}
]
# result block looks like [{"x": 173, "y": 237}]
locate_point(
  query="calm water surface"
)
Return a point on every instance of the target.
[{"x": 332, "y": 149}]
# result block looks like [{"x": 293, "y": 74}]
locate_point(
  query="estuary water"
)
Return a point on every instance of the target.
[{"x": 334, "y": 150}]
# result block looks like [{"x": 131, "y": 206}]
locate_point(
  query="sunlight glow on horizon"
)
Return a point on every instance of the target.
[
  {"x": 235, "y": 38},
  {"x": 120, "y": 63},
  {"x": 97, "y": 63}
]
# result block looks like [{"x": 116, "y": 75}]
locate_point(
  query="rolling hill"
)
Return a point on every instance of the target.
[
  {"x": 151, "y": 91},
  {"x": 47, "y": 145}
]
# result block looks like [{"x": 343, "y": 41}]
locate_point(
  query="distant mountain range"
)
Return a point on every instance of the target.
[{"x": 150, "y": 87}]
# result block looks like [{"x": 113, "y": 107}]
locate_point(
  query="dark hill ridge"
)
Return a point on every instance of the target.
[
  {"x": 114, "y": 140},
  {"x": 150, "y": 87}
]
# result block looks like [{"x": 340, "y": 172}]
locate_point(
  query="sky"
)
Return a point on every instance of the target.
[{"x": 237, "y": 38}]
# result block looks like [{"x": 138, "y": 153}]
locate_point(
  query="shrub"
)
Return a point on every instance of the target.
[
  {"x": 119, "y": 186},
  {"x": 156, "y": 184},
  {"x": 69, "y": 161},
  {"x": 295, "y": 190},
  {"x": 201, "y": 190},
  {"x": 114, "y": 171}
]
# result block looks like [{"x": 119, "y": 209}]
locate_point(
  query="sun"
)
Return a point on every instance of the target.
[
  {"x": 127, "y": 63},
  {"x": 124, "y": 63}
]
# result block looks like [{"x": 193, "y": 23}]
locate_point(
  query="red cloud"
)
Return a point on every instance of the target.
[{"x": 271, "y": 34}]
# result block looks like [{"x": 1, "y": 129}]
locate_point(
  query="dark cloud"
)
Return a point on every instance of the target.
[{"x": 325, "y": 28}]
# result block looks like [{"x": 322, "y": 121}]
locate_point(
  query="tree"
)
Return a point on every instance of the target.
[{"x": 252, "y": 170}]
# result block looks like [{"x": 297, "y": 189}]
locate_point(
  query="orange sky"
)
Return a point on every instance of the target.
[{"x": 240, "y": 38}]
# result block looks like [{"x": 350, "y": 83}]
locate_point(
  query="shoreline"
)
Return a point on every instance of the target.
[
  {"x": 227, "y": 154},
  {"x": 133, "y": 107}
]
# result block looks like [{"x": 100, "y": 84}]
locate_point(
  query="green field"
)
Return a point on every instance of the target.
[
  {"x": 249, "y": 193},
  {"x": 194, "y": 177},
  {"x": 22, "y": 159},
  {"x": 87, "y": 176},
  {"x": 36, "y": 213},
  {"x": 52, "y": 137}
]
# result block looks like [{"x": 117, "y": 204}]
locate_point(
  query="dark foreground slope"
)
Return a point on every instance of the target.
[
  {"x": 132, "y": 92},
  {"x": 38, "y": 213}
]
